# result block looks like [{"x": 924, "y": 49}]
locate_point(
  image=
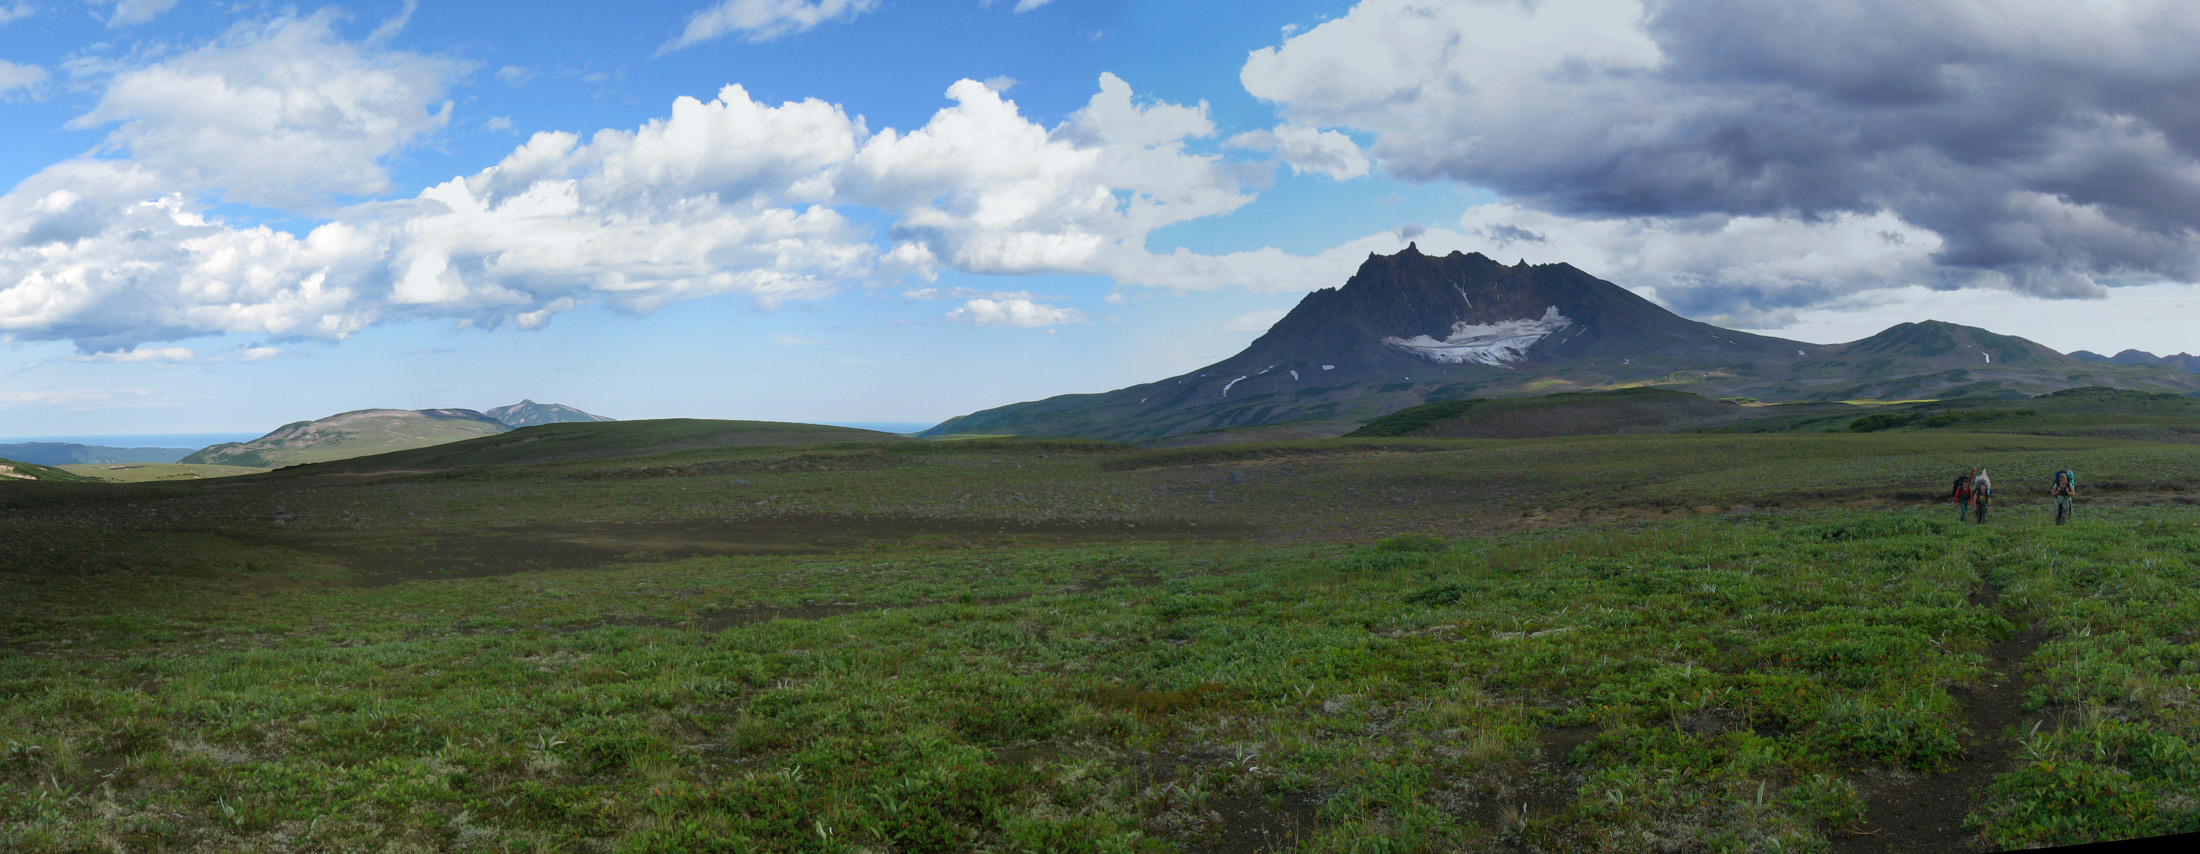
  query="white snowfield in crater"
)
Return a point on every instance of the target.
[{"x": 1485, "y": 343}]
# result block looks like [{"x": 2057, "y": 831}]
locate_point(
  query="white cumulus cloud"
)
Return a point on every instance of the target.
[
  {"x": 986, "y": 190},
  {"x": 112, "y": 275},
  {"x": 279, "y": 113},
  {"x": 722, "y": 196},
  {"x": 716, "y": 198}
]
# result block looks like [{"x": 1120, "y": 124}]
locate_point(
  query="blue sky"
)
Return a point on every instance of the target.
[{"x": 220, "y": 217}]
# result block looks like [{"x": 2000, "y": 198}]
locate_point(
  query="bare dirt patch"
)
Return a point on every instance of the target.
[
  {"x": 1541, "y": 788},
  {"x": 1553, "y": 787},
  {"x": 1256, "y": 823}
]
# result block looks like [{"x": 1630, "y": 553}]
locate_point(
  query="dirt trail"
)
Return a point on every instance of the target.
[{"x": 1924, "y": 814}]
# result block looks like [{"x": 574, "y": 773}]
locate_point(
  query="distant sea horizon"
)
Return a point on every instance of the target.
[{"x": 193, "y": 441}]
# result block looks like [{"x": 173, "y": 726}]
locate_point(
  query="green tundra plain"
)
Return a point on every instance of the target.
[{"x": 698, "y": 636}]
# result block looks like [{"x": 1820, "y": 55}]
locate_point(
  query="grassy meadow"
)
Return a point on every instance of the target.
[
  {"x": 143, "y": 472},
  {"x": 1654, "y": 643}
]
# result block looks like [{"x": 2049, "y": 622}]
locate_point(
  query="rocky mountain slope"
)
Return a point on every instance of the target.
[{"x": 1411, "y": 328}]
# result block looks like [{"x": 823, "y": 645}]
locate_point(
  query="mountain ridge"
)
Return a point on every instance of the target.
[
  {"x": 364, "y": 432},
  {"x": 1411, "y": 328},
  {"x": 2186, "y": 362}
]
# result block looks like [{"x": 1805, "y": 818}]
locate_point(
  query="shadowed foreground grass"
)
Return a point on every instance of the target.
[{"x": 1736, "y": 683}]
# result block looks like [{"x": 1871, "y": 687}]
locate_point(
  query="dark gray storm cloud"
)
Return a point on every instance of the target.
[{"x": 2053, "y": 146}]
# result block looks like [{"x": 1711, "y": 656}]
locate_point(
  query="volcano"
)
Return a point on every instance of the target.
[{"x": 1411, "y": 328}]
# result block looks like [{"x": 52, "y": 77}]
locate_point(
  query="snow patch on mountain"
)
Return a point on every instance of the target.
[{"x": 1484, "y": 343}]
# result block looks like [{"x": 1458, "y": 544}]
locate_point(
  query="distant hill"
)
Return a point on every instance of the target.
[
  {"x": 351, "y": 434},
  {"x": 1410, "y": 328},
  {"x": 1633, "y": 410},
  {"x": 2186, "y": 362},
  {"x": 528, "y": 413},
  {"x": 70, "y": 453},
  {"x": 1936, "y": 359},
  {"x": 11, "y": 470},
  {"x": 569, "y": 442}
]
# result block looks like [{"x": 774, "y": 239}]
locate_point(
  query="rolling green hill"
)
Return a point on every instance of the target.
[
  {"x": 2088, "y": 411},
  {"x": 593, "y": 440},
  {"x": 148, "y": 472},
  {"x": 351, "y": 434},
  {"x": 11, "y": 470}
]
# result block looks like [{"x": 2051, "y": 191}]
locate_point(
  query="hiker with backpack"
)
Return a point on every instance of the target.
[
  {"x": 1961, "y": 493},
  {"x": 2065, "y": 489},
  {"x": 1982, "y": 491}
]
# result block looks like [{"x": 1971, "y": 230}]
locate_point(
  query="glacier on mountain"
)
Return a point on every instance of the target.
[{"x": 1484, "y": 343}]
